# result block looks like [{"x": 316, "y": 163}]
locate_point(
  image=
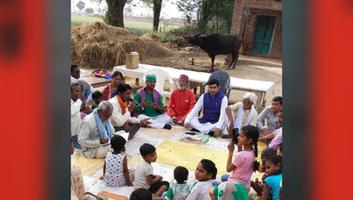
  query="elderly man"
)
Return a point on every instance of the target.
[
  {"x": 150, "y": 105},
  {"x": 267, "y": 121},
  {"x": 242, "y": 113},
  {"x": 214, "y": 105},
  {"x": 122, "y": 109},
  {"x": 181, "y": 101},
  {"x": 96, "y": 131}
]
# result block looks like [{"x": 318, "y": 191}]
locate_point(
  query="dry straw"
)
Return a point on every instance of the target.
[{"x": 99, "y": 45}]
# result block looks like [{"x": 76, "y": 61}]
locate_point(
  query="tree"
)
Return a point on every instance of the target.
[
  {"x": 157, "y": 7},
  {"x": 189, "y": 8},
  {"x": 115, "y": 12},
  {"x": 211, "y": 15},
  {"x": 80, "y": 5},
  {"x": 89, "y": 11}
]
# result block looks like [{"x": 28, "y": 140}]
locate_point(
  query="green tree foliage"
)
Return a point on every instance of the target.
[
  {"x": 189, "y": 8},
  {"x": 211, "y": 15}
]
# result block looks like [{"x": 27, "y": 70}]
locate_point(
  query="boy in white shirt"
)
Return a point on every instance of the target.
[{"x": 144, "y": 177}]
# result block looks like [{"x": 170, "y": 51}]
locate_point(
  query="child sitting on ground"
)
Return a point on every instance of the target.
[
  {"x": 274, "y": 177},
  {"x": 265, "y": 155},
  {"x": 205, "y": 172},
  {"x": 244, "y": 163},
  {"x": 115, "y": 171},
  {"x": 144, "y": 177},
  {"x": 179, "y": 188}
]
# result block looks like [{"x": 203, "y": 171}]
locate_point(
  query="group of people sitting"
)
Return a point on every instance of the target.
[{"x": 95, "y": 117}]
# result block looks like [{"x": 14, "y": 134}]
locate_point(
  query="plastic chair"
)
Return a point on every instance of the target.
[
  {"x": 224, "y": 81},
  {"x": 162, "y": 76}
]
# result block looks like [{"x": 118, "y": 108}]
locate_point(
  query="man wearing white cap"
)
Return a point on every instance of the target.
[{"x": 242, "y": 113}]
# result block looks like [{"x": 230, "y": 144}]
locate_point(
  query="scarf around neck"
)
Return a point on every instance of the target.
[
  {"x": 104, "y": 128},
  {"x": 122, "y": 104}
]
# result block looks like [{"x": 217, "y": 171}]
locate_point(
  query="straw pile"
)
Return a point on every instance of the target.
[{"x": 99, "y": 45}]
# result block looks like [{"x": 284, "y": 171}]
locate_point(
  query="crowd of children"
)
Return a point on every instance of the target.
[{"x": 234, "y": 186}]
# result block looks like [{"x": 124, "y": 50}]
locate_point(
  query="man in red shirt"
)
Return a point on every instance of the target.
[{"x": 181, "y": 101}]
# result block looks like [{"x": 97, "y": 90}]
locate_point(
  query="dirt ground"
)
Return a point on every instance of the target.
[
  {"x": 181, "y": 59},
  {"x": 99, "y": 45}
]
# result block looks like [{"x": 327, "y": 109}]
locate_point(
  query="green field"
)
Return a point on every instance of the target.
[
  {"x": 138, "y": 27},
  {"x": 79, "y": 20}
]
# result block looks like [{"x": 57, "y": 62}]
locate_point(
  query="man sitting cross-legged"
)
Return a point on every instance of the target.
[
  {"x": 123, "y": 106},
  {"x": 181, "y": 101},
  {"x": 242, "y": 113},
  {"x": 150, "y": 105},
  {"x": 214, "y": 105},
  {"x": 96, "y": 131},
  {"x": 267, "y": 121}
]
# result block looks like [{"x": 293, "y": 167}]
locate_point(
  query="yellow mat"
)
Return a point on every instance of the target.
[
  {"x": 189, "y": 155},
  {"x": 88, "y": 166}
]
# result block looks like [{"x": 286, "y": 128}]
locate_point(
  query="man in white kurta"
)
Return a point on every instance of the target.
[
  {"x": 92, "y": 143},
  {"x": 242, "y": 113},
  {"x": 122, "y": 108},
  {"x": 76, "y": 103},
  {"x": 214, "y": 104}
]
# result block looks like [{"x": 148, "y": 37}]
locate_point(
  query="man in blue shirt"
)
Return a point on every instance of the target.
[{"x": 214, "y": 104}]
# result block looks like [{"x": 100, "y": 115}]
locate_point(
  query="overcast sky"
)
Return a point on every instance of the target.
[{"x": 169, "y": 9}]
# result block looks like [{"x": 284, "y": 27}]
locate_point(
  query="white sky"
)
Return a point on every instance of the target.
[{"x": 169, "y": 9}]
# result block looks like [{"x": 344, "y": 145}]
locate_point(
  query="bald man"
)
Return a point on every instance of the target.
[{"x": 181, "y": 101}]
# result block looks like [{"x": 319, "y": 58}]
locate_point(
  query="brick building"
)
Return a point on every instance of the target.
[{"x": 259, "y": 23}]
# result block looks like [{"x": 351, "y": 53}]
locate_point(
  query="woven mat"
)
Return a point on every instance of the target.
[
  {"x": 189, "y": 155},
  {"x": 89, "y": 167}
]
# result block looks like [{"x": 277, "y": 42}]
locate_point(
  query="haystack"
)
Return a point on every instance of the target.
[{"x": 99, "y": 45}]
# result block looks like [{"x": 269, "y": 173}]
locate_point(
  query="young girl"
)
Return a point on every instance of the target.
[
  {"x": 244, "y": 163},
  {"x": 273, "y": 180},
  {"x": 115, "y": 171},
  {"x": 265, "y": 155},
  {"x": 205, "y": 171}
]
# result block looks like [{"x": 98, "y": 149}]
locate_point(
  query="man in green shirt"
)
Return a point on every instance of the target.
[{"x": 150, "y": 105}]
